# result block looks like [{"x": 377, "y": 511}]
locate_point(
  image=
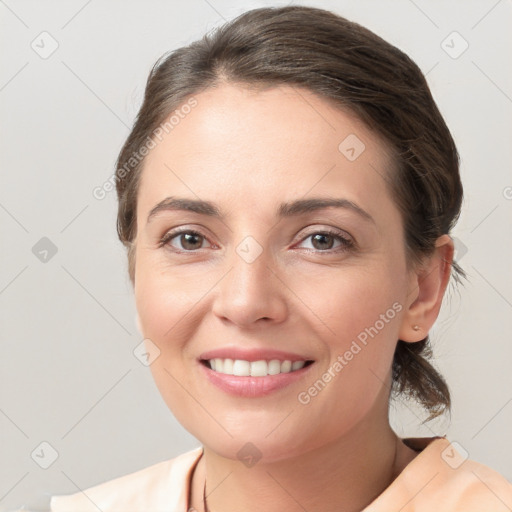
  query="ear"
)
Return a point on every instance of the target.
[{"x": 427, "y": 286}]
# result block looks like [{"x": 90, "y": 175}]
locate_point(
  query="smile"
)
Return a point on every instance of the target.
[
  {"x": 261, "y": 368},
  {"x": 252, "y": 379}
]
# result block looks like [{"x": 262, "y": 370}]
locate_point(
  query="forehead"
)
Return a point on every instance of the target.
[{"x": 255, "y": 148}]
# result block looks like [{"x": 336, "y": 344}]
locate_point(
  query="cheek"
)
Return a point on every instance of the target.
[
  {"x": 166, "y": 298},
  {"x": 171, "y": 303},
  {"x": 357, "y": 315},
  {"x": 168, "y": 307},
  {"x": 348, "y": 301}
]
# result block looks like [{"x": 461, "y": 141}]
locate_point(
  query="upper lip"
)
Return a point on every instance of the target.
[{"x": 255, "y": 354}]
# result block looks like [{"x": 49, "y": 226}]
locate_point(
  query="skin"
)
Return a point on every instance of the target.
[{"x": 248, "y": 151}]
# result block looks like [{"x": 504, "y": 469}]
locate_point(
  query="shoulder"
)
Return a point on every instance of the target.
[
  {"x": 442, "y": 476},
  {"x": 470, "y": 485},
  {"x": 160, "y": 487}
]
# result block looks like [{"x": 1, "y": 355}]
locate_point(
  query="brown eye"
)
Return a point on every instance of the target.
[
  {"x": 329, "y": 241},
  {"x": 187, "y": 241},
  {"x": 322, "y": 241},
  {"x": 190, "y": 241}
]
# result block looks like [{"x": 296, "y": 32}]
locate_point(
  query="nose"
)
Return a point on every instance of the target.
[{"x": 251, "y": 292}]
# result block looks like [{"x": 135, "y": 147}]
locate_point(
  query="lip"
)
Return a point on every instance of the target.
[
  {"x": 252, "y": 355},
  {"x": 252, "y": 387}
]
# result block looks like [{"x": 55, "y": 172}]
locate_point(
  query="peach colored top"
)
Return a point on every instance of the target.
[{"x": 438, "y": 478}]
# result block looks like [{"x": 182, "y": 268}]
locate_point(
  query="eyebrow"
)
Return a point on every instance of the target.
[{"x": 289, "y": 209}]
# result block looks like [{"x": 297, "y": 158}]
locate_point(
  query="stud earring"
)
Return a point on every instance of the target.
[{"x": 416, "y": 327}]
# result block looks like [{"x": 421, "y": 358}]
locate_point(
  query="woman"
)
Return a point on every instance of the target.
[{"x": 286, "y": 197}]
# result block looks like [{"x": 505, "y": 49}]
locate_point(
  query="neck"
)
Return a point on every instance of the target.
[{"x": 345, "y": 475}]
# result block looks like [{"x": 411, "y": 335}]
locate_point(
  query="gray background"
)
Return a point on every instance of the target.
[{"x": 68, "y": 373}]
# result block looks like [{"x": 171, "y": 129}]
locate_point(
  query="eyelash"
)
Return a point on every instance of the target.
[{"x": 346, "y": 243}]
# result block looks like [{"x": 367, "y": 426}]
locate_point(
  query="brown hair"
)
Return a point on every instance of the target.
[{"x": 357, "y": 71}]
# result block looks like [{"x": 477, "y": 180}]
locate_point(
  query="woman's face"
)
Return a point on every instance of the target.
[{"x": 266, "y": 278}]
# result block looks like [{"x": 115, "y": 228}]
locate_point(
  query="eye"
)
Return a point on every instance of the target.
[
  {"x": 321, "y": 241},
  {"x": 188, "y": 240},
  {"x": 324, "y": 241}
]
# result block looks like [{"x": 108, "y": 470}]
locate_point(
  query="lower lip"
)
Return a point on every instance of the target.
[{"x": 252, "y": 387}]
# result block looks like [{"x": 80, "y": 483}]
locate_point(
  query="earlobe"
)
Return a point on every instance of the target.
[
  {"x": 428, "y": 285},
  {"x": 411, "y": 332}
]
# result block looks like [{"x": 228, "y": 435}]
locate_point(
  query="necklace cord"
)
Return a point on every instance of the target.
[{"x": 205, "y": 505}]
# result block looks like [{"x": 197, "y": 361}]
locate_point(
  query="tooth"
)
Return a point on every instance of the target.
[
  {"x": 241, "y": 368},
  {"x": 228, "y": 366},
  {"x": 274, "y": 367},
  {"x": 258, "y": 368},
  {"x": 286, "y": 366},
  {"x": 297, "y": 365}
]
